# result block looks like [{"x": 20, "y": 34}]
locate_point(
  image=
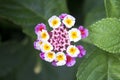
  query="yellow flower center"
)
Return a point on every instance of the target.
[
  {"x": 43, "y": 35},
  {"x": 40, "y": 42},
  {"x": 69, "y": 21},
  {"x": 74, "y": 35},
  {"x": 50, "y": 55},
  {"x": 72, "y": 50},
  {"x": 54, "y": 22},
  {"x": 46, "y": 47},
  {"x": 60, "y": 57}
]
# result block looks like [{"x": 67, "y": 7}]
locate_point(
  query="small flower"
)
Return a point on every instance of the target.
[
  {"x": 43, "y": 35},
  {"x": 42, "y": 55},
  {"x": 73, "y": 51},
  {"x": 60, "y": 59},
  {"x": 37, "y": 44},
  {"x": 62, "y": 16},
  {"x": 69, "y": 21},
  {"x": 50, "y": 56},
  {"x": 46, "y": 47},
  {"x": 57, "y": 46},
  {"x": 82, "y": 51},
  {"x": 70, "y": 61},
  {"x": 84, "y": 31},
  {"x": 54, "y": 22},
  {"x": 40, "y": 27},
  {"x": 74, "y": 35}
]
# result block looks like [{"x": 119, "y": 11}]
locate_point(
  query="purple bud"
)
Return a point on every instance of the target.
[
  {"x": 62, "y": 16},
  {"x": 70, "y": 61},
  {"x": 84, "y": 31},
  {"x": 42, "y": 55},
  {"x": 82, "y": 51},
  {"x": 39, "y": 27}
]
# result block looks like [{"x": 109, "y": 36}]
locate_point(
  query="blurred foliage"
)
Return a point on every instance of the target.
[
  {"x": 112, "y": 8},
  {"x": 93, "y": 10},
  {"x": 19, "y": 60},
  {"x": 27, "y": 13}
]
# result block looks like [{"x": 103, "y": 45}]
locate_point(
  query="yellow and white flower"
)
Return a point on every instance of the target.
[
  {"x": 60, "y": 59},
  {"x": 43, "y": 35},
  {"x": 50, "y": 56},
  {"x": 54, "y": 22},
  {"x": 46, "y": 47},
  {"x": 69, "y": 21},
  {"x": 37, "y": 44},
  {"x": 72, "y": 51},
  {"x": 74, "y": 35}
]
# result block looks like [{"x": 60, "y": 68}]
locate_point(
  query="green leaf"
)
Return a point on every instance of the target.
[
  {"x": 99, "y": 66},
  {"x": 13, "y": 54},
  {"x": 28, "y": 13},
  {"x": 112, "y": 8},
  {"x": 105, "y": 34}
]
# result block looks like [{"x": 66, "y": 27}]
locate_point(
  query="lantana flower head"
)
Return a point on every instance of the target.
[{"x": 57, "y": 46}]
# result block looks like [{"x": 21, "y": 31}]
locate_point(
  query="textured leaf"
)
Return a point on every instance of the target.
[
  {"x": 105, "y": 34},
  {"x": 28, "y": 13},
  {"x": 99, "y": 66},
  {"x": 112, "y": 8},
  {"x": 13, "y": 54}
]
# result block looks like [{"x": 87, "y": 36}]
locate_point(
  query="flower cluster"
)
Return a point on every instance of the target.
[{"x": 57, "y": 46}]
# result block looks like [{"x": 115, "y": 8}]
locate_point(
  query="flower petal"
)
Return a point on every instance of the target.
[
  {"x": 42, "y": 56},
  {"x": 46, "y": 47},
  {"x": 50, "y": 56},
  {"x": 37, "y": 44},
  {"x": 82, "y": 51},
  {"x": 74, "y": 35},
  {"x": 62, "y": 16},
  {"x": 72, "y": 51},
  {"x": 43, "y": 35},
  {"x": 40, "y": 27},
  {"x": 84, "y": 32},
  {"x": 54, "y": 22},
  {"x": 69, "y": 21},
  {"x": 70, "y": 61},
  {"x": 54, "y": 63},
  {"x": 60, "y": 59}
]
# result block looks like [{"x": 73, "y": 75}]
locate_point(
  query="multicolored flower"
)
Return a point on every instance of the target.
[
  {"x": 60, "y": 59},
  {"x": 84, "y": 32},
  {"x": 46, "y": 47},
  {"x": 40, "y": 27},
  {"x": 69, "y": 21},
  {"x": 54, "y": 22},
  {"x": 57, "y": 46},
  {"x": 43, "y": 35},
  {"x": 37, "y": 44},
  {"x": 72, "y": 51},
  {"x": 70, "y": 61},
  {"x": 74, "y": 34},
  {"x": 49, "y": 56}
]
